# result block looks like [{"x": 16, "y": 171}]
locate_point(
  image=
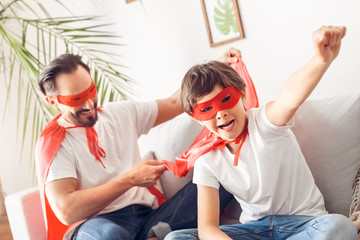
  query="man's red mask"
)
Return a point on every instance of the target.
[
  {"x": 78, "y": 99},
  {"x": 225, "y": 99}
]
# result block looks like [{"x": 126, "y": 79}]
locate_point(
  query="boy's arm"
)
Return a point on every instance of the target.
[
  {"x": 208, "y": 213},
  {"x": 327, "y": 42},
  {"x": 170, "y": 107}
]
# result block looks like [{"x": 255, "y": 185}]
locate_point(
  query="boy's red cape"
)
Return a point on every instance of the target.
[
  {"x": 206, "y": 140},
  {"x": 46, "y": 147}
]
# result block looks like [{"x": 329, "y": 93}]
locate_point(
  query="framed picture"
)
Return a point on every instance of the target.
[{"x": 223, "y": 22}]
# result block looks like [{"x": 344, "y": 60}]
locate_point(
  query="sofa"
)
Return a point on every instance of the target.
[{"x": 328, "y": 131}]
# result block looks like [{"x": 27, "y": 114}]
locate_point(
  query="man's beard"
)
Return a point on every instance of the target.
[{"x": 90, "y": 120}]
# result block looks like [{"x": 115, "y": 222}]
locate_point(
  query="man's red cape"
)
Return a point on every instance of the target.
[
  {"x": 46, "y": 147},
  {"x": 206, "y": 140}
]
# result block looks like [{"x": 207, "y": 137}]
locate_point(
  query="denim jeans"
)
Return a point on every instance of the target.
[
  {"x": 136, "y": 221},
  {"x": 295, "y": 227}
]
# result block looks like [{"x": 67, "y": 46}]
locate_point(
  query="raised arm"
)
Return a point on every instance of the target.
[
  {"x": 208, "y": 213},
  {"x": 326, "y": 42},
  {"x": 171, "y": 107}
]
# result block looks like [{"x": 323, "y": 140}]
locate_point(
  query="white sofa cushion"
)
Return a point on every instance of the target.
[{"x": 328, "y": 131}]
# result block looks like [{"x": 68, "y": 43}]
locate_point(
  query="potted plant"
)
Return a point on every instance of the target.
[{"x": 30, "y": 38}]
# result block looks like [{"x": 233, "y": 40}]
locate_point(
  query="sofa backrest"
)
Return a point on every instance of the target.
[{"x": 328, "y": 131}]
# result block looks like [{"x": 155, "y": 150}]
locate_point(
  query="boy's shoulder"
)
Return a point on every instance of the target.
[
  {"x": 258, "y": 120},
  {"x": 215, "y": 157}
]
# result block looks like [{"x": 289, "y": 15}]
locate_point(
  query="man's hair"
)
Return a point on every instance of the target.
[
  {"x": 201, "y": 80},
  {"x": 65, "y": 63}
]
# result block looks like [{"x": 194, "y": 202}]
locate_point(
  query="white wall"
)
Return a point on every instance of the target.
[{"x": 164, "y": 38}]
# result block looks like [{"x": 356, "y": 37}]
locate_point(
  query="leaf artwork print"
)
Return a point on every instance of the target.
[{"x": 224, "y": 15}]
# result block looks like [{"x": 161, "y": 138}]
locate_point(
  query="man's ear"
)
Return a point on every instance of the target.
[{"x": 52, "y": 101}]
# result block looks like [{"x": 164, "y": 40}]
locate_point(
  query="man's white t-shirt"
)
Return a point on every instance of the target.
[
  {"x": 118, "y": 127},
  {"x": 272, "y": 176}
]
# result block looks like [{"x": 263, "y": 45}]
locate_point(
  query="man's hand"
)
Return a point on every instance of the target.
[
  {"x": 146, "y": 173},
  {"x": 230, "y": 56},
  {"x": 327, "y": 42}
]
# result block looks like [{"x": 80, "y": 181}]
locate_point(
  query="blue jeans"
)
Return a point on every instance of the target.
[
  {"x": 136, "y": 221},
  {"x": 295, "y": 227}
]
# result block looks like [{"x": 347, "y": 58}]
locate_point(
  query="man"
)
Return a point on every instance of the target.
[{"x": 93, "y": 182}]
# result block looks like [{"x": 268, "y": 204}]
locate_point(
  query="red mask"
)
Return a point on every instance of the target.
[
  {"x": 225, "y": 99},
  {"x": 78, "y": 99}
]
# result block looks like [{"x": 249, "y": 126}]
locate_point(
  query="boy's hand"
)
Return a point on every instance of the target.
[
  {"x": 327, "y": 42},
  {"x": 230, "y": 56}
]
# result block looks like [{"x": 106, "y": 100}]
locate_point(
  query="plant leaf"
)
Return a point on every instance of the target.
[{"x": 225, "y": 19}]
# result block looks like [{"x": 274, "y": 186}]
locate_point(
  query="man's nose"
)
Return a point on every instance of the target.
[{"x": 89, "y": 104}]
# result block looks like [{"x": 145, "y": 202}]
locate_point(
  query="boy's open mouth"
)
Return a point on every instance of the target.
[{"x": 226, "y": 125}]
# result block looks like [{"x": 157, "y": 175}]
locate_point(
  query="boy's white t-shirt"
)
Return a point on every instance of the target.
[
  {"x": 272, "y": 176},
  {"x": 118, "y": 127}
]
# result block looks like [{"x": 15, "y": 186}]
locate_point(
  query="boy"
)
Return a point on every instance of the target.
[{"x": 262, "y": 164}]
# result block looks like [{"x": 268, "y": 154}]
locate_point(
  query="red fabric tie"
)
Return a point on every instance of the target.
[
  {"x": 93, "y": 143},
  {"x": 159, "y": 195},
  {"x": 240, "y": 139}
]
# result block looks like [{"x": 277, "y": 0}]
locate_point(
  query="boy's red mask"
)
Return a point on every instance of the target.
[
  {"x": 226, "y": 99},
  {"x": 78, "y": 99}
]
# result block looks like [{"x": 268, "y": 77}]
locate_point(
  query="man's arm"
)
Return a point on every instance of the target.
[
  {"x": 71, "y": 205},
  {"x": 326, "y": 42},
  {"x": 170, "y": 107},
  {"x": 208, "y": 213}
]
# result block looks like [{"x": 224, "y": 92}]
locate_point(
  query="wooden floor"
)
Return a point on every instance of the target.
[{"x": 5, "y": 232}]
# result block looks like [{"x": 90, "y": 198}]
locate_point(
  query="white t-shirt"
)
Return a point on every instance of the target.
[
  {"x": 118, "y": 127},
  {"x": 272, "y": 176}
]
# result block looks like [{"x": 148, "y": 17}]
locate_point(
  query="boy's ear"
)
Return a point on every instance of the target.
[{"x": 52, "y": 101}]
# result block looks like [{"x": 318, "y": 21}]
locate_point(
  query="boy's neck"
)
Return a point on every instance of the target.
[{"x": 232, "y": 147}]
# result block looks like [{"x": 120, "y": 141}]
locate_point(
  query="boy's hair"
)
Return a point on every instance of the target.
[
  {"x": 65, "y": 63},
  {"x": 201, "y": 80}
]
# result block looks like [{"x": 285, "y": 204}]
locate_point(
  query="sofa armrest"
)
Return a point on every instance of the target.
[{"x": 25, "y": 215}]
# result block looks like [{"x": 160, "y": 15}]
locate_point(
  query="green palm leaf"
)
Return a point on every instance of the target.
[
  {"x": 224, "y": 15},
  {"x": 27, "y": 44}
]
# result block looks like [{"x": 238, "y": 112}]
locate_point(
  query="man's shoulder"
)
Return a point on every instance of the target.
[
  {"x": 126, "y": 110},
  {"x": 128, "y": 105}
]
